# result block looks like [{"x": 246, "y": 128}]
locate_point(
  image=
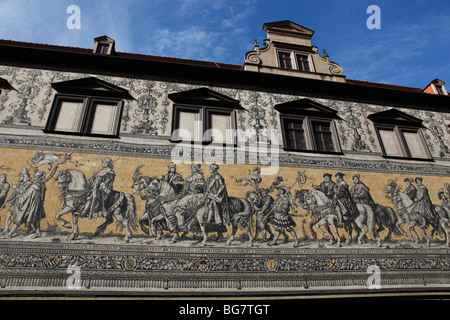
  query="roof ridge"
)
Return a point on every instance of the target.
[
  {"x": 382, "y": 84},
  {"x": 120, "y": 53}
]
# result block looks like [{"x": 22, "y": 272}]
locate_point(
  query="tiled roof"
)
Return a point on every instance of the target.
[
  {"x": 122, "y": 54},
  {"x": 383, "y": 85}
]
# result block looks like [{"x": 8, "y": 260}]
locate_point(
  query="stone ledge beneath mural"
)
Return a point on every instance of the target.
[{"x": 28, "y": 267}]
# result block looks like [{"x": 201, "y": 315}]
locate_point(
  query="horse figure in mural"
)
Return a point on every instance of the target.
[
  {"x": 192, "y": 211},
  {"x": 75, "y": 190},
  {"x": 161, "y": 199},
  {"x": 408, "y": 214},
  {"x": 323, "y": 211}
]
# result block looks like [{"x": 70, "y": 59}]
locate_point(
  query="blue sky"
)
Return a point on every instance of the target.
[{"x": 412, "y": 47}]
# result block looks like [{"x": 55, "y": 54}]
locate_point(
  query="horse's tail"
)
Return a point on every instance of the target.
[{"x": 392, "y": 216}]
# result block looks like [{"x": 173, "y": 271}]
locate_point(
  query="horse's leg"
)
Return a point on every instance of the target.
[
  {"x": 144, "y": 223},
  {"x": 332, "y": 223},
  {"x": 75, "y": 231},
  {"x": 311, "y": 228},
  {"x": 156, "y": 234},
  {"x": 103, "y": 226},
  {"x": 63, "y": 212},
  {"x": 125, "y": 223},
  {"x": 205, "y": 234},
  {"x": 320, "y": 223},
  {"x": 233, "y": 234},
  {"x": 359, "y": 222},
  {"x": 297, "y": 241}
]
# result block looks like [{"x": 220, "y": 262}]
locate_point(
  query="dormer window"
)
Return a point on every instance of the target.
[
  {"x": 309, "y": 127},
  {"x": 294, "y": 60},
  {"x": 86, "y": 107},
  {"x": 205, "y": 116},
  {"x": 104, "y": 45},
  {"x": 440, "y": 90},
  {"x": 400, "y": 135}
]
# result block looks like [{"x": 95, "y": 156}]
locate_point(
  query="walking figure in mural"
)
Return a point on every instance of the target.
[
  {"x": 28, "y": 204},
  {"x": 282, "y": 220},
  {"x": 262, "y": 203},
  {"x": 217, "y": 198},
  {"x": 4, "y": 189}
]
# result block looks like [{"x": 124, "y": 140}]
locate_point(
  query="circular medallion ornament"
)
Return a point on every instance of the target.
[
  {"x": 272, "y": 265},
  {"x": 52, "y": 261},
  {"x": 203, "y": 265},
  {"x": 129, "y": 263},
  {"x": 391, "y": 264}
]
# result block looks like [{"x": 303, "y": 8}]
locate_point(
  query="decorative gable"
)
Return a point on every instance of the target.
[
  {"x": 306, "y": 107},
  {"x": 205, "y": 97},
  {"x": 93, "y": 87}
]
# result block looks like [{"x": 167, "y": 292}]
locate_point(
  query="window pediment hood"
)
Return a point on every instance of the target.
[
  {"x": 307, "y": 107},
  {"x": 205, "y": 97},
  {"x": 4, "y": 84},
  {"x": 93, "y": 87},
  {"x": 394, "y": 116}
]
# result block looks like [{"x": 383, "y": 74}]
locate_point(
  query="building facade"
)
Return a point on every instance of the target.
[{"x": 154, "y": 175}]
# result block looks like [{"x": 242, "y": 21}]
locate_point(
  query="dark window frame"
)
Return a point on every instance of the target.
[
  {"x": 398, "y": 121},
  {"x": 398, "y": 131},
  {"x": 87, "y": 115},
  {"x": 205, "y": 113},
  {"x": 303, "y": 63},
  {"x": 309, "y": 133},
  {"x": 285, "y": 60}
]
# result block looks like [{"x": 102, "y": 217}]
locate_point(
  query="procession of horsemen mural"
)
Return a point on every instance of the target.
[{"x": 215, "y": 203}]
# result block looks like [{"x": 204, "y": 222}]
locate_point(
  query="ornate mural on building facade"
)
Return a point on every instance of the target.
[{"x": 77, "y": 197}]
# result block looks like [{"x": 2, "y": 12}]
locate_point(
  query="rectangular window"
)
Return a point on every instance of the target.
[
  {"x": 414, "y": 144},
  {"x": 303, "y": 63},
  {"x": 440, "y": 90},
  {"x": 221, "y": 128},
  {"x": 323, "y": 136},
  {"x": 295, "y": 134},
  {"x": 102, "y": 48},
  {"x": 204, "y": 124},
  {"x": 390, "y": 142},
  {"x": 85, "y": 115},
  {"x": 70, "y": 116},
  {"x": 189, "y": 125},
  {"x": 309, "y": 134},
  {"x": 403, "y": 143},
  {"x": 104, "y": 118},
  {"x": 285, "y": 60}
]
